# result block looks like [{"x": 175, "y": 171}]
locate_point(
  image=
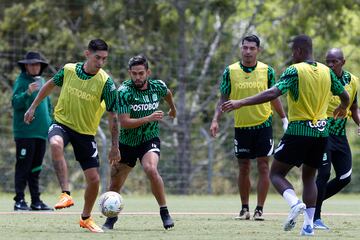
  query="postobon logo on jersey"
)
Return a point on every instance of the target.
[
  {"x": 80, "y": 94},
  {"x": 252, "y": 85},
  {"x": 144, "y": 106}
]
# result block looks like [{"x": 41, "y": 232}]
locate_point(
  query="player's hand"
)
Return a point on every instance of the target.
[
  {"x": 285, "y": 122},
  {"x": 156, "y": 116},
  {"x": 172, "y": 113},
  {"x": 230, "y": 105},
  {"x": 340, "y": 112},
  {"x": 214, "y": 128},
  {"x": 114, "y": 155},
  {"x": 29, "y": 115}
]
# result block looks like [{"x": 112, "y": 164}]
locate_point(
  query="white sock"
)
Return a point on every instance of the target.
[
  {"x": 290, "y": 197},
  {"x": 309, "y": 217}
]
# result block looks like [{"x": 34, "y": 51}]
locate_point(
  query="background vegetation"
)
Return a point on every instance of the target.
[{"x": 188, "y": 43}]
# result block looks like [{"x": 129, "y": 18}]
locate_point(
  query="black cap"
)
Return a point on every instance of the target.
[{"x": 30, "y": 58}]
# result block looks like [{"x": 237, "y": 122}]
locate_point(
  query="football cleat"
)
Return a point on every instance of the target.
[
  {"x": 166, "y": 218},
  {"x": 295, "y": 211},
  {"x": 318, "y": 224},
  {"x": 109, "y": 223},
  {"x": 243, "y": 215},
  {"x": 307, "y": 231},
  {"x": 91, "y": 225},
  {"x": 65, "y": 201},
  {"x": 258, "y": 215}
]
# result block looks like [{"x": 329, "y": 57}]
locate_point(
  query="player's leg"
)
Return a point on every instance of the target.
[
  {"x": 149, "y": 162},
  {"x": 262, "y": 186},
  {"x": 36, "y": 167},
  {"x": 244, "y": 187},
  {"x": 24, "y": 155},
  {"x": 58, "y": 139},
  {"x": 342, "y": 163},
  {"x": 321, "y": 181},
  {"x": 244, "y": 150},
  {"x": 86, "y": 153},
  {"x": 264, "y": 149},
  {"x": 119, "y": 173}
]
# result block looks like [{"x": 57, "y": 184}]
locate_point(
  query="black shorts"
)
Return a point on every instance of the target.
[
  {"x": 85, "y": 147},
  {"x": 130, "y": 154},
  {"x": 296, "y": 150},
  {"x": 338, "y": 154},
  {"x": 253, "y": 143}
]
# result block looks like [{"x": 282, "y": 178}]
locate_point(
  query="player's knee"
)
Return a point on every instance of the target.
[
  {"x": 56, "y": 148},
  {"x": 345, "y": 181}
]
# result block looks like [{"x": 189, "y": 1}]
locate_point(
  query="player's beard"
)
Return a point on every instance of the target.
[{"x": 140, "y": 86}]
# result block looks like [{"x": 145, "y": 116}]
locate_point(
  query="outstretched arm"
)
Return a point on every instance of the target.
[
  {"x": 265, "y": 96},
  {"x": 44, "y": 92}
]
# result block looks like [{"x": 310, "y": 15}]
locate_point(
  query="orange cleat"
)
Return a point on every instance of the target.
[
  {"x": 91, "y": 225},
  {"x": 65, "y": 201}
]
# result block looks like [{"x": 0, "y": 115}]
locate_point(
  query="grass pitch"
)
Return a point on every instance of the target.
[{"x": 196, "y": 217}]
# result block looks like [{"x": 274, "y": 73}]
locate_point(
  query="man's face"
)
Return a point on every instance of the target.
[
  {"x": 139, "y": 74},
  {"x": 334, "y": 62},
  {"x": 97, "y": 59},
  {"x": 249, "y": 51},
  {"x": 296, "y": 54},
  {"x": 33, "y": 69}
]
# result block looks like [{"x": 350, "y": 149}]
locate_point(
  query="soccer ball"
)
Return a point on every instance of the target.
[{"x": 111, "y": 204}]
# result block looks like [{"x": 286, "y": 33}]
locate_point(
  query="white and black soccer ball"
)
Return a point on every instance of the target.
[{"x": 111, "y": 204}]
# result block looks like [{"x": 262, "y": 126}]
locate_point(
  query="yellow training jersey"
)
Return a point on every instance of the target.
[
  {"x": 245, "y": 84},
  {"x": 314, "y": 93},
  {"x": 79, "y": 106}
]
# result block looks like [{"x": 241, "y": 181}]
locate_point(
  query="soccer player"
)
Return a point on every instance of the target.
[
  {"x": 85, "y": 91},
  {"x": 310, "y": 85},
  {"x": 139, "y": 134},
  {"x": 253, "y": 125},
  {"x": 338, "y": 150}
]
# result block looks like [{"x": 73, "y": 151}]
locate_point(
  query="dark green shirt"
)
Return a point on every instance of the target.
[
  {"x": 21, "y": 101},
  {"x": 225, "y": 88},
  {"x": 289, "y": 82},
  {"x": 109, "y": 95},
  {"x": 139, "y": 104}
]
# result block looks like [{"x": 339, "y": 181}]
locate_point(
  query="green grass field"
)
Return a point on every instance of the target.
[{"x": 196, "y": 217}]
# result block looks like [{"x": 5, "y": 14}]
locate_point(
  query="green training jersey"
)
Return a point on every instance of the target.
[
  {"x": 139, "y": 104},
  {"x": 225, "y": 88},
  {"x": 289, "y": 82},
  {"x": 337, "y": 126}
]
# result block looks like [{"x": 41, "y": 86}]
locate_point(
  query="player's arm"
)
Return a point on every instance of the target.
[
  {"x": 170, "y": 101},
  {"x": 225, "y": 89},
  {"x": 262, "y": 97},
  {"x": 46, "y": 89},
  {"x": 276, "y": 103},
  {"x": 110, "y": 96},
  {"x": 288, "y": 80},
  {"x": 338, "y": 89},
  {"x": 127, "y": 122},
  {"x": 355, "y": 113}
]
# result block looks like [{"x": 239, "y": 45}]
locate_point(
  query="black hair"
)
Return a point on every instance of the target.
[
  {"x": 252, "y": 38},
  {"x": 303, "y": 42},
  {"x": 97, "y": 45},
  {"x": 138, "y": 60}
]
